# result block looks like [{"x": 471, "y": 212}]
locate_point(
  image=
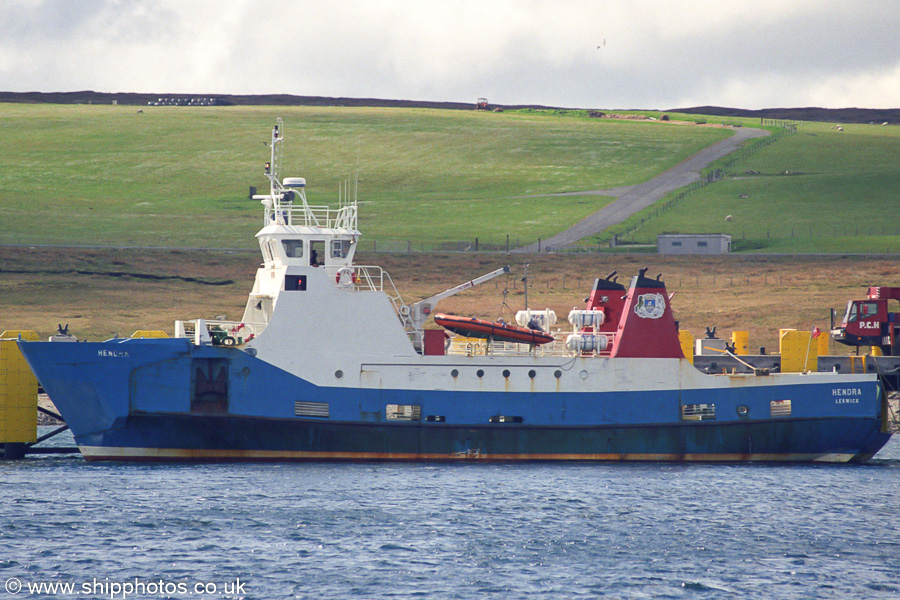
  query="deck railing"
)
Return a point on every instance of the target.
[
  {"x": 325, "y": 217},
  {"x": 372, "y": 278}
]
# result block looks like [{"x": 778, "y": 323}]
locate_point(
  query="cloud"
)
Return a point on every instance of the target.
[{"x": 614, "y": 54}]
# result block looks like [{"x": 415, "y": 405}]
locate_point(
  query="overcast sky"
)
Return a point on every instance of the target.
[{"x": 591, "y": 54}]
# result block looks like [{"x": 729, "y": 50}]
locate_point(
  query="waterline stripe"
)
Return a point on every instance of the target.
[{"x": 164, "y": 454}]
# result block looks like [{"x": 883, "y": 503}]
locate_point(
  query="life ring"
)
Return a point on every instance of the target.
[{"x": 346, "y": 276}]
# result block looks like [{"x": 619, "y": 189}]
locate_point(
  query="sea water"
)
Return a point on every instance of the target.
[{"x": 657, "y": 530}]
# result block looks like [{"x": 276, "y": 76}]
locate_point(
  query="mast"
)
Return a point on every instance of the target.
[
  {"x": 286, "y": 204},
  {"x": 277, "y": 153}
]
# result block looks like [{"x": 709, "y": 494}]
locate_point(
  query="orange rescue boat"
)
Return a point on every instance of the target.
[{"x": 489, "y": 330}]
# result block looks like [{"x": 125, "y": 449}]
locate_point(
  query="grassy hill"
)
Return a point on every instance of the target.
[
  {"x": 179, "y": 176},
  {"x": 431, "y": 177}
]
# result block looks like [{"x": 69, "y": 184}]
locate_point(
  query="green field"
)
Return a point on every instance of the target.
[
  {"x": 817, "y": 190},
  {"x": 179, "y": 176}
]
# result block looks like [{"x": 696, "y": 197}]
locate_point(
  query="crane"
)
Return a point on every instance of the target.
[{"x": 414, "y": 315}]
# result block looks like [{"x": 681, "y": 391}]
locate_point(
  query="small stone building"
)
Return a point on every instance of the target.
[{"x": 701, "y": 243}]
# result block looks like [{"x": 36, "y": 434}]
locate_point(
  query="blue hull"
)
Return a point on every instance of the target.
[{"x": 149, "y": 400}]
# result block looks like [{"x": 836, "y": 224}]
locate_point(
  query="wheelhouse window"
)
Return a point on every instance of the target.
[
  {"x": 267, "y": 252},
  {"x": 340, "y": 248},
  {"x": 293, "y": 248},
  {"x": 273, "y": 249},
  {"x": 316, "y": 253}
]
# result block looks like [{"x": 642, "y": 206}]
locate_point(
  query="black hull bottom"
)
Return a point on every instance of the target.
[{"x": 173, "y": 437}]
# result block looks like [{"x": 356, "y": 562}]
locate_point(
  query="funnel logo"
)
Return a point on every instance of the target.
[{"x": 650, "y": 306}]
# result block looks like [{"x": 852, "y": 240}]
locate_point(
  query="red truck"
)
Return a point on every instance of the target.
[{"x": 868, "y": 322}]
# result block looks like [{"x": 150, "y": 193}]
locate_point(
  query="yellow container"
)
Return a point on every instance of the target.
[
  {"x": 687, "y": 344},
  {"x": 875, "y": 351},
  {"x": 18, "y": 392},
  {"x": 13, "y": 334},
  {"x": 741, "y": 342},
  {"x": 798, "y": 352},
  {"x": 149, "y": 333},
  {"x": 822, "y": 342}
]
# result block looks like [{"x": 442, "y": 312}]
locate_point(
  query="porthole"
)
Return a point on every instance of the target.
[
  {"x": 506, "y": 373},
  {"x": 743, "y": 411},
  {"x": 557, "y": 373},
  {"x": 532, "y": 373},
  {"x": 338, "y": 373},
  {"x": 480, "y": 373},
  {"x": 454, "y": 373},
  {"x": 583, "y": 374}
]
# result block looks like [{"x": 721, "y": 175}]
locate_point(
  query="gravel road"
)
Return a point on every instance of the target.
[{"x": 633, "y": 198}]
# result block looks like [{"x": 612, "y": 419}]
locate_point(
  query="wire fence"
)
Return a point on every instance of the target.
[
  {"x": 742, "y": 240},
  {"x": 674, "y": 281},
  {"x": 509, "y": 244}
]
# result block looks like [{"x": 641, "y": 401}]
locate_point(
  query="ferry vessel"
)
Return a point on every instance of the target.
[{"x": 328, "y": 363}]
